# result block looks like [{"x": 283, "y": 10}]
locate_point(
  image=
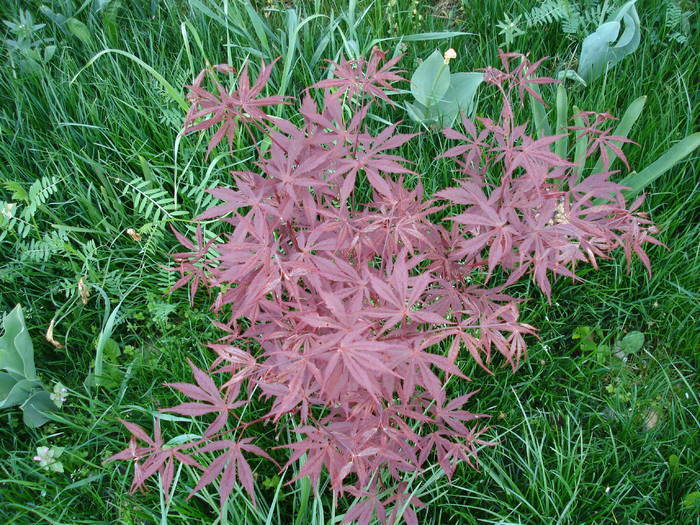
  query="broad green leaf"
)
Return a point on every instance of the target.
[
  {"x": 561, "y": 147},
  {"x": 605, "y": 47},
  {"x": 588, "y": 345},
  {"x": 14, "y": 392},
  {"x": 631, "y": 36},
  {"x": 110, "y": 377},
  {"x": 581, "y": 332},
  {"x": 171, "y": 417},
  {"x": 571, "y": 75},
  {"x": 80, "y": 30},
  {"x": 416, "y": 111},
  {"x": 691, "y": 500},
  {"x": 36, "y": 407},
  {"x": 601, "y": 353},
  {"x": 56, "y": 18},
  {"x": 638, "y": 181},
  {"x": 595, "y": 51},
  {"x": 459, "y": 97},
  {"x": 49, "y": 52},
  {"x": 111, "y": 351},
  {"x": 632, "y": 342},
  {"x": 539, "y": 114},
  {"x": 431, "y": 80},
  {"x": 182, "y": 438},
  {"x": 581, "y": 146},
  {"x": 16, "y": 348}
]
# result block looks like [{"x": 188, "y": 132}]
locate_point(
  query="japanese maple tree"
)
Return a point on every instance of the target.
[{"x": 348, "y": 317}]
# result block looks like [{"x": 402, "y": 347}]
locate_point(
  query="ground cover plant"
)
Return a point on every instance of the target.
[{"x": 596, "y": 426}]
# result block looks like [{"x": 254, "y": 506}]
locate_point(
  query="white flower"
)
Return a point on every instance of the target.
[
  {"x": 59, "y": 394},
  {"x": 48, "y": 458},
  {"x": 449, "y": 55},
  {"x": 7, "y": 209}
]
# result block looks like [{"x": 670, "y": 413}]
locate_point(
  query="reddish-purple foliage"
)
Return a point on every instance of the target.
[
  {"x": 349, "y": 316},
  {"x": 228, "y": 110}
]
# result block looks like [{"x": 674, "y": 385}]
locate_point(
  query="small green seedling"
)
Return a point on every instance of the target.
[
  {"x": 588, "y": 338},
  {"x": 630, "y": 344},
  {"x": 691, "y": 501}
]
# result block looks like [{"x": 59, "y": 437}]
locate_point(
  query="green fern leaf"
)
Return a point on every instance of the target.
[{"x": 153, "y": 204}]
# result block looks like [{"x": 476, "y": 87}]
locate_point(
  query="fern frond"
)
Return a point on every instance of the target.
[
  {"x": 548, "y": 12},
  {"x": 18, "y": 191},
  {"x": 677, "y": 37},
  {"x": 11, "y": 220},
  {"x": 597, "y": 14},
  {"x": 164, "y": 279},
  {"x": 41, "y": 250},
  {"x": 39, "y": 193},
  {"x": 152, "y": 233},
  {"x": 674, "y": 15},
  {"x": 574, "y": 17},
  {"x": 192, "y": 191},
  {"x": 153, "y": 204}
]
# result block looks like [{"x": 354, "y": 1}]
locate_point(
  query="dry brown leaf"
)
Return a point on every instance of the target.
[
  {"x": 135, "y": 236},
  {"x": 49, "y": 335},
  {"x": 84, "y": 291},
  {"x": 651, "y": 420}
]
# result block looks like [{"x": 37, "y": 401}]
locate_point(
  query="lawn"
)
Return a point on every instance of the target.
[{"x": 90, "y": 146}]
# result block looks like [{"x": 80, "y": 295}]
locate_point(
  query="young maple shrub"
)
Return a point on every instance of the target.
[{"x": 348, "y": 316}]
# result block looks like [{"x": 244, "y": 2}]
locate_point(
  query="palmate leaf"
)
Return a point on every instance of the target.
[
  {"x": 632, "y": 113},
  {"x": 207, "y": 399},
  {"x": 231, "y": 465},
  {"x": 338, "y": 301}
]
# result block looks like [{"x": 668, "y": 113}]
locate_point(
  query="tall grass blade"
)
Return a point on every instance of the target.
[{"x": 174, "y": 93}]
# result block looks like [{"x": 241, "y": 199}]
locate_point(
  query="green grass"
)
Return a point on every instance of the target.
[{"x": 571, "y": 450}]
